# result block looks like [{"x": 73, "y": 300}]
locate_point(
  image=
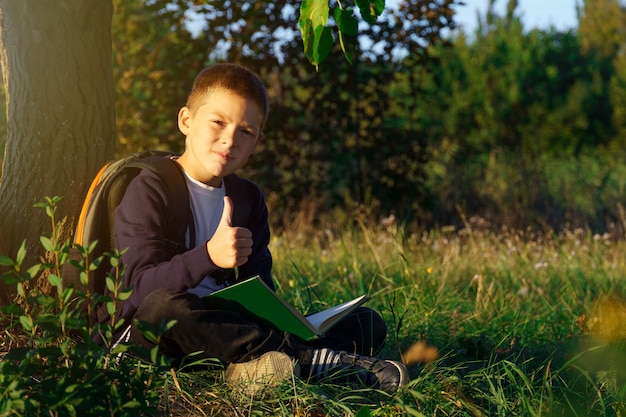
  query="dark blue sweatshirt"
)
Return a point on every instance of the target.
[{"x": 140, "y": 220}]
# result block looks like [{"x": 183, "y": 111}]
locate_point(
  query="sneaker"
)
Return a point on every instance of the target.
[
  {"x": 358, "y": 371},
  {"x": 267, "y": 370}
]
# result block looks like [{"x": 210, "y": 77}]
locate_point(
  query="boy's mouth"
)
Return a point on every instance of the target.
[{"x": 224, "y": 156}]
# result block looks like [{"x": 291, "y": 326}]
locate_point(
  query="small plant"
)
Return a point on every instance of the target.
[{"x": 54, "y": 367}]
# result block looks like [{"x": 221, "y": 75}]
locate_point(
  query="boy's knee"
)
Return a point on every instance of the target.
[
  {"x": 163, "y": 304},
  {"x": 377, "y": 325}
]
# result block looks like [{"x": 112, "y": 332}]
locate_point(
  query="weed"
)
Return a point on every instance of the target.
[{"x": 53, "y": 366}]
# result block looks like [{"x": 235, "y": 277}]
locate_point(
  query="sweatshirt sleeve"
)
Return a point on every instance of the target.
[
  {"x": 139, "y": 225},
  {"x": 260, "y": 260}
]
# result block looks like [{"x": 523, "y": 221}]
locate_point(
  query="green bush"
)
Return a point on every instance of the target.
[{"x": 53, "y": 366}]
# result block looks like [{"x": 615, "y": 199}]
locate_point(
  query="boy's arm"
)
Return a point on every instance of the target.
[{"x": 140, "y": 220}]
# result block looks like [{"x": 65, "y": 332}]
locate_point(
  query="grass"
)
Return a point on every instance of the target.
[{"x": 526, "y": 323}]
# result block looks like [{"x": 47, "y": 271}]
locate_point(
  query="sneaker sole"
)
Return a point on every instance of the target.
[{"x": 265, "y": 371}]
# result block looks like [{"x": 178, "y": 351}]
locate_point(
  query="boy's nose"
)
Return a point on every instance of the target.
[{"x": 228, "y": 137}]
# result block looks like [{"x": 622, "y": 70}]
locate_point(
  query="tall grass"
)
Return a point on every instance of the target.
[{"x": 526, "y": 323}]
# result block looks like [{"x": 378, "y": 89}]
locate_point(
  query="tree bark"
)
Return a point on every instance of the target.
[{"x": 56, "y": 67}]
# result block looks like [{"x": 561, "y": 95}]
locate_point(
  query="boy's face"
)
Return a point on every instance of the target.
[{"x": 221, "y": 134}]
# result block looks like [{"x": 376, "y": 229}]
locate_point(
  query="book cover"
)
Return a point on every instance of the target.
[{"x": 258, "y": 302}]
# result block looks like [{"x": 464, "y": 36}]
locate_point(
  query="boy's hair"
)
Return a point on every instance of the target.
[{"x": 232, "y": 77}]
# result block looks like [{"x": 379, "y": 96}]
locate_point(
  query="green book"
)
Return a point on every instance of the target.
[{"x": 259, "y": 303}]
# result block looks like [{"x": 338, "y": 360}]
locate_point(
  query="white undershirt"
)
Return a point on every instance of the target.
[{"x": 207, "y": 205}]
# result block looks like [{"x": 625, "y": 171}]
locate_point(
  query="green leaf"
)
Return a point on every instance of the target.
[
  {"x": 346, "y": 22},
  {"x": 33, "y": 271},
  {"x": 27, "y": 323},
  {"x": 131, "y": 404},
  {"x": 46, "y": 243},
  {"x": 111, "y": 308},
  {"x": 92, "y": 246},
  {"x": 120, "y": 348},
  {"x": 17, "y": 354},
  {"x": 119, "y": 324},
  {"x": 10, "y": 278},
  {"x": 20, "y": 290},
  {"x": 55, "y": 280},
  {"x": 12, "y": 309},
  {"x": 371, "y": 9},
  {"x": 148, "y": 330},
  {"x": 320, "y": 45},
  {"x": 95, "y": 264},
  {"x": 154, "y": 354},
  {"x": 110, "y": 284},
  {"x": 71, "y": 388},
  {"x": 21, "y": 253},
  {"x": 124, "y": 294},
  {"x": 346, "y": 25},
  {"x": 113, "y": 391},
  {"x": 324, "y": 45},
  {"x": 115, "y": 262},
  {"x": 64, "y": 254},
  {"x": 150, "y": 335},
  {"x": 44, "y": 300},
  {"x": 84, "y": 278},
  {"x": 316, "y": 36},
  {"x": 315, "y": 12},
  {"x": 6, "y": 261}
]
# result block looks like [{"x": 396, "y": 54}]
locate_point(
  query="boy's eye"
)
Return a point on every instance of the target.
[
  {"x": 248, "y": 132},
  {"x": 218, "y": 122}
]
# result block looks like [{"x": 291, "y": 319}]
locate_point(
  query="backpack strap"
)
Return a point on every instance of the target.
[{"x": 173, "y": 177}]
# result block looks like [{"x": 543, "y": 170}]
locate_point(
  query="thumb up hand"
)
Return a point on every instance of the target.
[
  {"x": 230, "y": 246},
  {"x": 227, "y": 213}
]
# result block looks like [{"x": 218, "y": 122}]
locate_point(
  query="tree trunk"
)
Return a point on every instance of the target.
[{"x": 56, "y": 66}]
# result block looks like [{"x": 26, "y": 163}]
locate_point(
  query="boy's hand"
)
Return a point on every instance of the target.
[{"x": 230, "y": 246}]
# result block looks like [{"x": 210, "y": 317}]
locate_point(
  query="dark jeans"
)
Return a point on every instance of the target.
[{"x": 230, "y": 337}]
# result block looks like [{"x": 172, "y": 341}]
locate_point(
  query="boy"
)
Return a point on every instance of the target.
[{"x": 222, "y": 123}]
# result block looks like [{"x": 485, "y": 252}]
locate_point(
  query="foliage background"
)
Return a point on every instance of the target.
[{"x": 523, "y": 127}]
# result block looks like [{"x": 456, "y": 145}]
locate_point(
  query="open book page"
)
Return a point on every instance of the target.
[
  {"x": 258, "y": 302},
  {"x": 324, "y": 320}
]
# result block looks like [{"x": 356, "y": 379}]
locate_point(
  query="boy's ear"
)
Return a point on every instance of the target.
[{"x": 184, "y": 117}]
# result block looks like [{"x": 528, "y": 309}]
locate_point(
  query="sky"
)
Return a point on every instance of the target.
[{"x": 534, "y": 13}]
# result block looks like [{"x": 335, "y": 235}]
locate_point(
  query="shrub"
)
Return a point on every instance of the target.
[{"x": 51, "y": 363}]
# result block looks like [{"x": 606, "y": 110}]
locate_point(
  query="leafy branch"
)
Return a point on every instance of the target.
[{"x": 317, "y": 35}]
